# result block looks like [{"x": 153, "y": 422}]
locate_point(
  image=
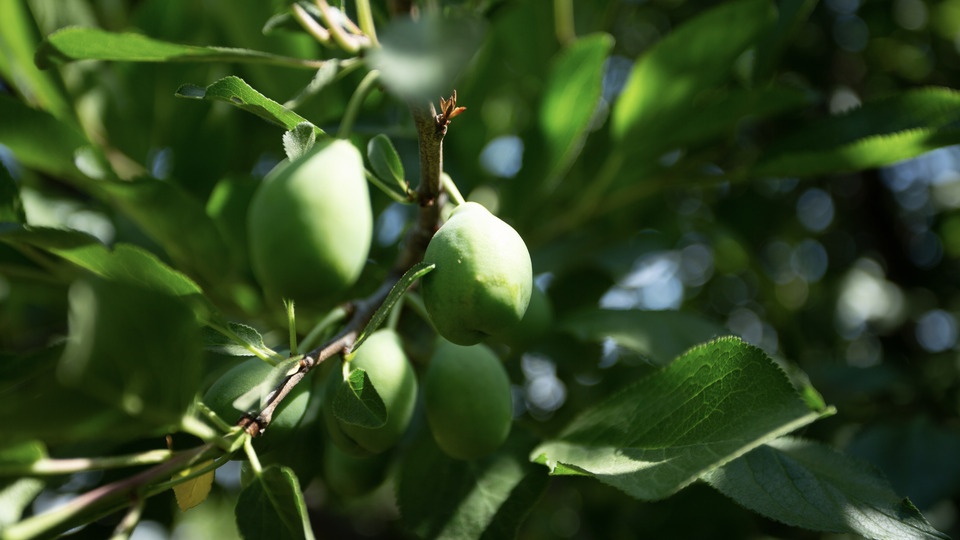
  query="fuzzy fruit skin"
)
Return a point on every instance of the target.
[
  {"x": 310, "y": 224},
  {"x": 466, "y": 393},
  {"x": 482, "y": 283},
  {"x": 237, "y": 381},
  {"x": 350, "y": 476},
  {"x": 382, "y": 357}
]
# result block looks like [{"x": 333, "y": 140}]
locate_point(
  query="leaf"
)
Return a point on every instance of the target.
[
  {"x": 78, "y": 43},
  {"x": 236, "y": 340},
  {"x": 415, "y": 272},
  {"x": 11, "y": 207},
  {"x": 236, "y": 92},
  {"x": 329, "y": 71},
  {"x": 385, "y": 161},
  {"x": 299, "y": 140},
  {"x": 272, "y": 506},
  {"x": 878, "y": 133},
  {"x": 357, "y": 402},
  {"x": 570, "y": 100},
  {"x": 39, "y": 140},
  {"x": 657, "y": 335},
  {"x": 18, "y": 41},
  {"x": 179, "y": 223},
  {"x": 420, "y": 60},
  {"x": 656, "y": 436},
  {"x": 23, "y": 453},
  {"x": 193, "y": 491},
  {"x": 486, "y": 498},
  {"x": 697, "y": 57},
  {"x": 918, "y": 457},
  {"x": 125, "y": 263},
  {"x": 805, "y": 484},
  {"x": 134, "y": 349}
]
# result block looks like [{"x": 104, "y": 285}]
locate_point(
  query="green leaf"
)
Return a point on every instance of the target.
[
  {"x": 570, "y": 99},
  {"x": 415, "y": 272},
  {"x": 876, "y": 134},
  {"x": 805, "y": 484},
  {"x": 236, "y": 92},
  {"x": 385, "y": 161},
  {"x": 39, "y": 140},
  {"x": 180, "y": 224},
  {"x": 658, "y": 335},
  {"x": 11, "y": 207},
  {"x": 134, "y": 349},
  {"x": 329, "y": 71},
  {"x": 78, "y": 43},
  {"x": 487, "y": 498},
  {"x": 357, "y": 402},
  {"x": 421, "y": 59},
  {"x": 272, "y": 506},
  {"x": 656, "y": 436},
  {"x": 697, "y": 57},
  {"x": 125, "y": 263},
  {"x": 299, "y": 140},
  {"x": 18, "y": 41},
  {"x": 23, "y": 453},
  {"x": 236, "y": 340}
]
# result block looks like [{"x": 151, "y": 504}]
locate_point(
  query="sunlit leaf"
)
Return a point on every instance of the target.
[
  {"x": 656, "y": 436},
  {"x": 193, "y": 491},
  {"x": 876, "y": 134},
  {"x": 78, "y": 43},
  {"x": 236, "y": 92}
]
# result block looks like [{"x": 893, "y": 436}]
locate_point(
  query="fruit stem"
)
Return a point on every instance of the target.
[
  {"x": 310, "y": 24},
  {"x": 356, "y": 101},
  {"x": 252, "y": 456},
  {"x": 335, "y": 315},
  {"x": 451, "y": 189},
  {"x": 563, "y": 21},
  {"x": 52, "y": 466},
  {"x": 365, "y": 18}
]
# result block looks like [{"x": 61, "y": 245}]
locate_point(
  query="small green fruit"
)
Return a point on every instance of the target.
[
  {"x": 242, "y": 378},
  {"x": 382, "y": 357},
  {"x": 482, "y": 283},
  {"x": 310, "y": 224},
  {"x": 351, "y": 476},
  {"x": 467, "y": 398}
]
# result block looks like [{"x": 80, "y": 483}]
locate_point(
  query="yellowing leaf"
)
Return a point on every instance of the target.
[{"x": 193, "y": 491}]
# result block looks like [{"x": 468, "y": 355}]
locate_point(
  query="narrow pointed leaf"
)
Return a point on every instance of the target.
[
  {"x": 571, "y": 98},
  {"x": 272, "y": 506},
  {"x": 236, "y": 92},
  {"x": 805, "y": 484},
  {"x": 11, "y": 207},
  {"x": 415, "y": 272},
  {"x": 656, "y": 436},
  {"x": 876, "y": 134},
  {"x": 696, "y": 57},
  {"x": 357, "y": 402},
  {"x": 79, "y": 43}
]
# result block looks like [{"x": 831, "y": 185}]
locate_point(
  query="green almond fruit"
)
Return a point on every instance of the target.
[
  {"x": 311, "y": 225},
  {"x": 483, "y": 279},
  {"x": 467, "y": 399}
]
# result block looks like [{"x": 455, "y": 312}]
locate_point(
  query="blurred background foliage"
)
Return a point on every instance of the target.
[{"x": 855, "y": 278}]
